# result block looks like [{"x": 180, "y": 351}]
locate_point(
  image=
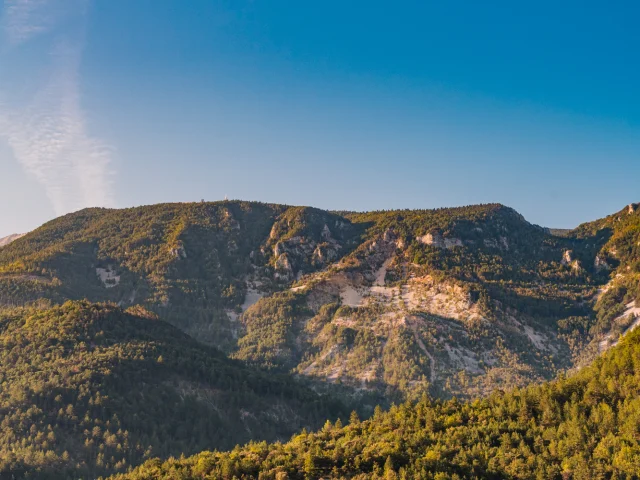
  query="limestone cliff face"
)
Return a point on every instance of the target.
[
  {"x": 437, "y": 240},
  {"x": 450, "y": 301},
  {"x": 409, "y": 309}
]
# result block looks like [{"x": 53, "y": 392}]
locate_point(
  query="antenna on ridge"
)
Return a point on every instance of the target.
[{"x": 226, "y": 198}]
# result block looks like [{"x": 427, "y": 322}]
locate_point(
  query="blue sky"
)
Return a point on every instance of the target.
[{"x": 340, "y": 105}]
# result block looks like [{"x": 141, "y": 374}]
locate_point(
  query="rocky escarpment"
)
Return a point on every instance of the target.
[
  {"x": 307, "y": 239},
  {"x": 454, "y": 301},
  {"x": 377, "y": 321}
]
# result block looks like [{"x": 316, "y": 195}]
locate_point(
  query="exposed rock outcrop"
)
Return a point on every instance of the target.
[
  {"x": 178, "y": 251},
  {"x": 437, "y": 240},
  {"x": 569, "y": 261},
  {"x": 600, "y": 263},
  {"x": 108, "y": 276}
]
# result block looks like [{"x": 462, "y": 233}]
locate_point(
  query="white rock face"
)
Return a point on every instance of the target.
[
  {"x": 452, "y": 242},
  {"x": 439, "y": 241},
  {"x": 326, "y": 233},
  {"x": 108, "y": 276},
  {"x": 434, "y": 239},
  {"x": 567, "y": 257},
  {"x": 601, "y": 264},
  {"x": 490, "y": 243},
  {"x": 179, "y": 252},
  {"x": 568, "y": 260}
]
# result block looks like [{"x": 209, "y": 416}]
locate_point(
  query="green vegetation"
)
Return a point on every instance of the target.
[
  {"x": 186, "y": 262},
  {"x": 89, "y": 389},
  {"x": 271, "y": 327},
  {"x": 582, "y": 427},
  {"x": 507, "y": 271},
  {"x": 412, "y": 307}
]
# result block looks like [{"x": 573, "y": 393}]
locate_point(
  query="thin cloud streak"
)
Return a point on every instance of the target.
[
  {"x": 48, "y": 132},
  {"x": 23, "y": 19}
]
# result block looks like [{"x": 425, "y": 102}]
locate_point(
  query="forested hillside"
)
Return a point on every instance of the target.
[
  {"x": 582, "y": 427},
  {"x": 10, "y": 238},
  {"x": 285, "y": 315},
  {"x": 456, "y": 301},
  {"x": 192, "y": 263},
  {"x": 88, "y": 389}
]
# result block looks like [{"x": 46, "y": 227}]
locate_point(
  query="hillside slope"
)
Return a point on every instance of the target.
[
  {"x": 91, "y": 389},
  {"x": 583, "y": 427},
  {"x": 195, "y": 264},
  {"x": 452, "y": 301},
  {"x": 617, "y": 304},
  {"x": 455, "y": 301}
]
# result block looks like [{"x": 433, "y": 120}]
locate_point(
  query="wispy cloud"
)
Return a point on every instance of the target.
[
  {"x": 24, "y": 19},
  {"x": 48, "y": 131}
]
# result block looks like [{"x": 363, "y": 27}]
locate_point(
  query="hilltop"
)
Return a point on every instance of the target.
[{"x": 454, "y": 301}]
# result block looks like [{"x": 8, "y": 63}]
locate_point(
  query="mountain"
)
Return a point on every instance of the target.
[
  {"x": 617, "y": 303},
  {"x": 89, "y": 389},
  {"x": 10, "y": 238},
  {"x": 171, "y": 329},
  {"x": 192, "y": 263},
  {"x": 451, "y": 301},
  {"x": 455, "y": 301},
  {"x": 581, "y": 427}
]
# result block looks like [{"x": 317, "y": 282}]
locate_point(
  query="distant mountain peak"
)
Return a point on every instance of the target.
[{"x": 10, "y": 238}]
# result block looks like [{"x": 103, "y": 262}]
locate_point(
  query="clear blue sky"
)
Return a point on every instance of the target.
[{"x": 335, "y": 104}]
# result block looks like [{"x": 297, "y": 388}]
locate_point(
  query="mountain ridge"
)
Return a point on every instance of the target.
[
  {"x": 328, "y": 308},
  {"x": 430, "y": 294}
]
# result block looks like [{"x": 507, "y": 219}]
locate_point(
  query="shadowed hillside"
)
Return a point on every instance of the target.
[{"x": 90, "y": 389}]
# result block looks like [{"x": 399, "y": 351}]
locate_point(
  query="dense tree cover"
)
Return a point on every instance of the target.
[
  {"x": 448, "y": 221},
  {"x": 271, "y": 327},
  {"x": 500, "y": 254},
  {"x": 187, "y": 262},
  {"x": 582, "y": 427},
  {"x": 192, "y": 263},
  {"x": 619, "y": 256},
  {"x": 309, "y": 223},
  {"x": 87, "y": 389}
]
